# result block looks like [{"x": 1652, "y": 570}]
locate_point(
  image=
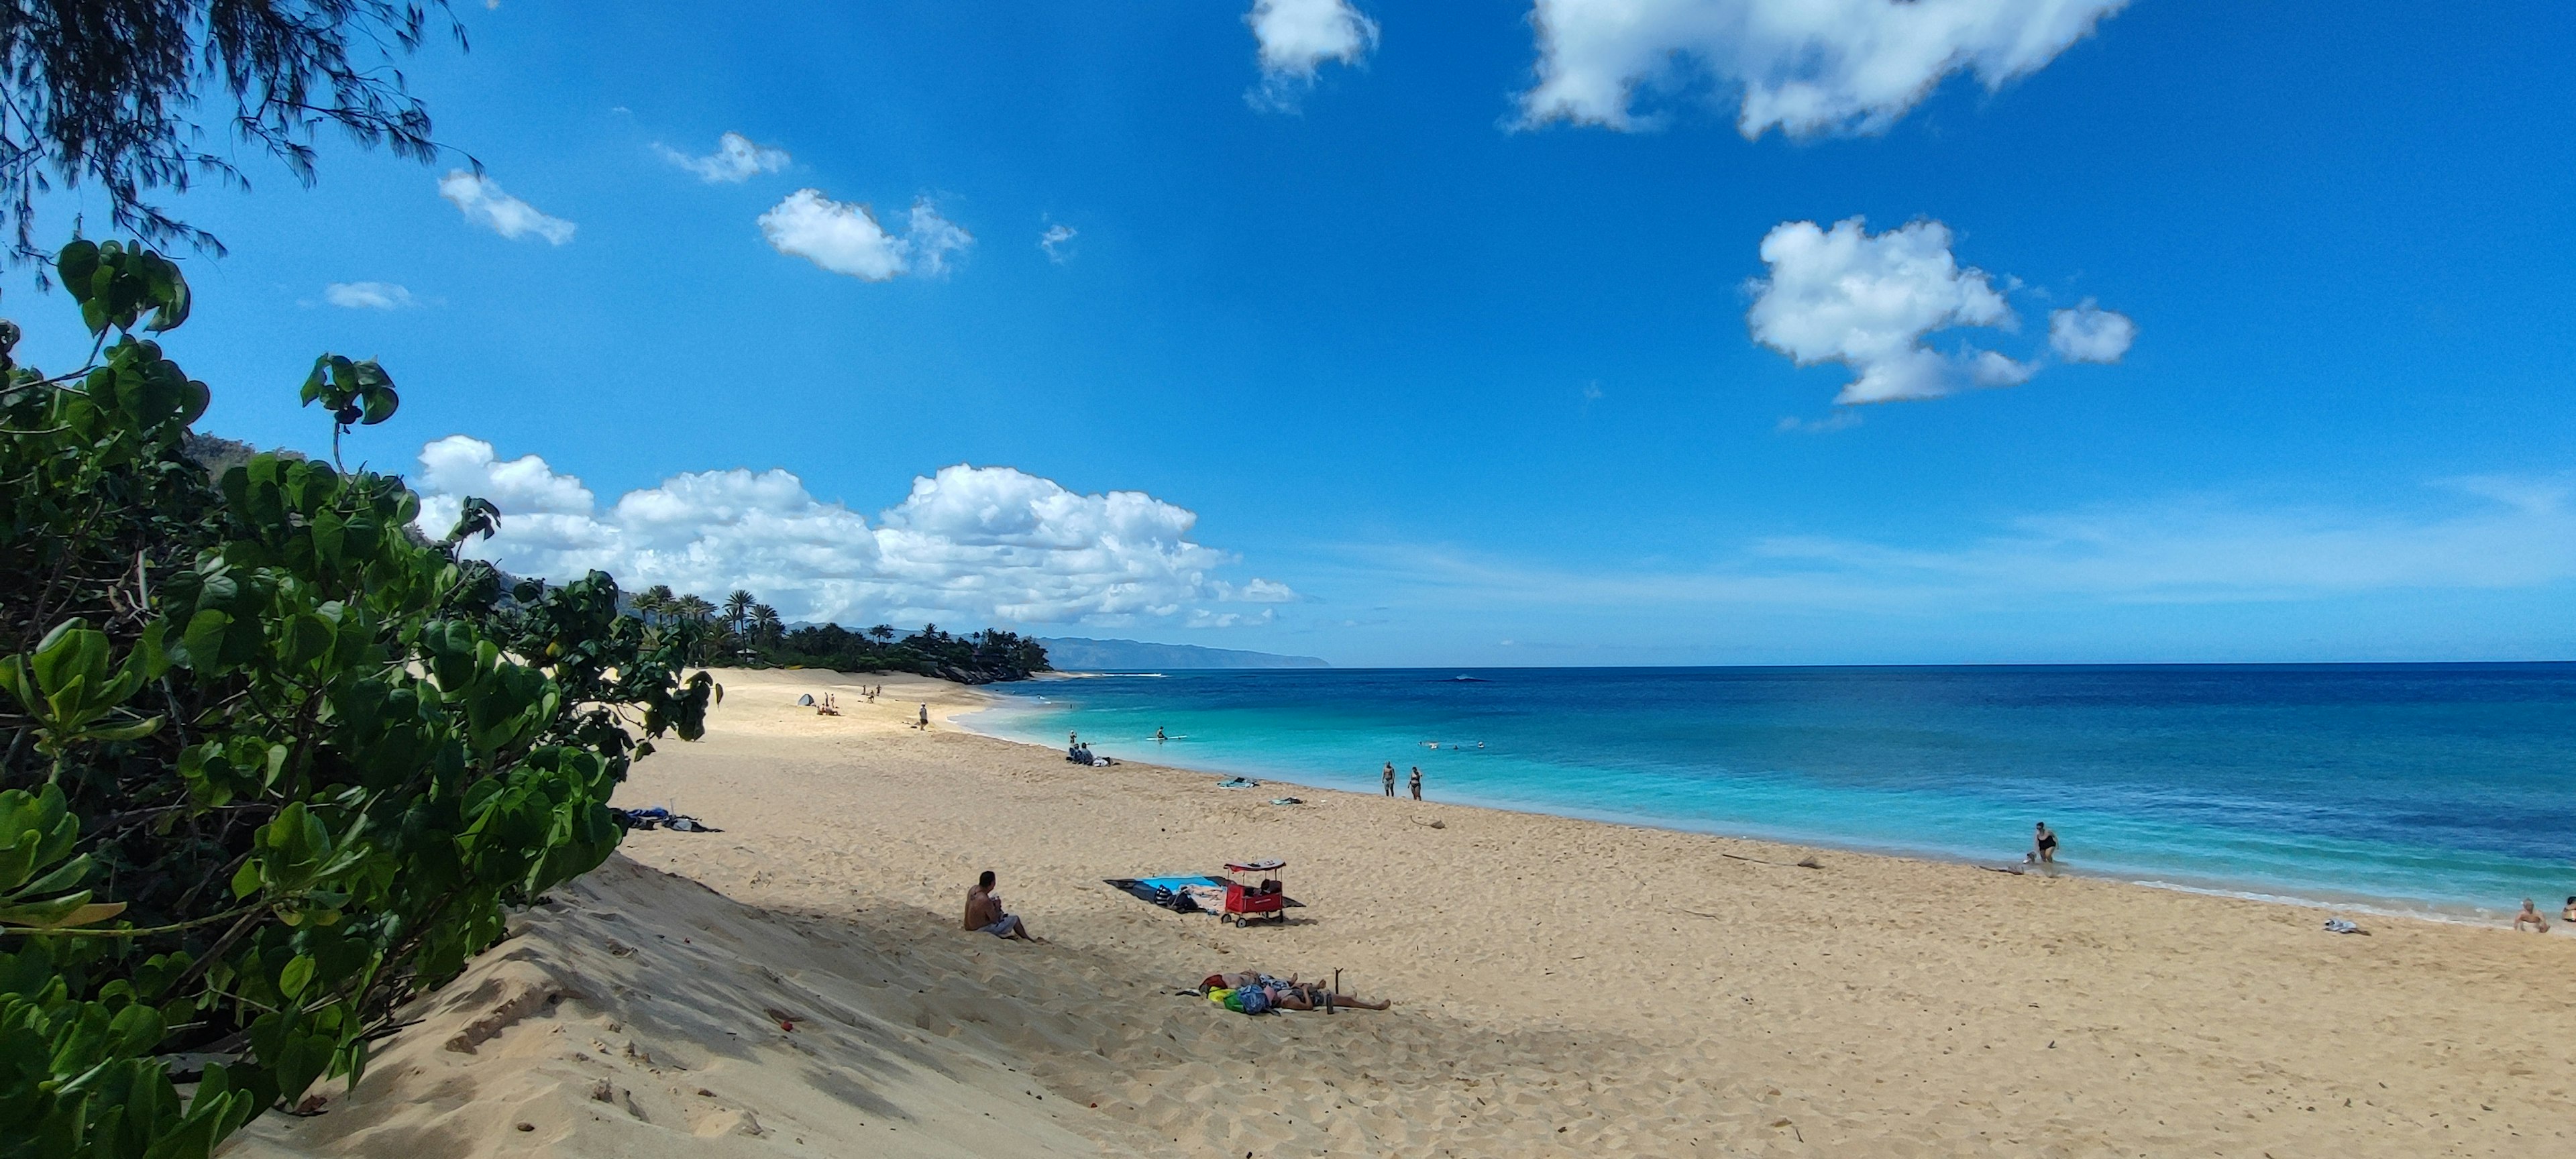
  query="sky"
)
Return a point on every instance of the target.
[{"x": 1649, "y": 332}]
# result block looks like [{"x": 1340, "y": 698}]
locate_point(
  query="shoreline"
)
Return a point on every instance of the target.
[
  {"x": 1562, "y": 987},
  {"x": 2381, "y": 908}
]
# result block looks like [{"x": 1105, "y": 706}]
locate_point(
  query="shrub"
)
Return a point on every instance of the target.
[{"x": 273, "y": 763}]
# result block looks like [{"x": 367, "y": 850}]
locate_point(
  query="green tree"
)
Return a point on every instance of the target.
[
  {"x": 737, "y": 611},
  {"x": 269, "y": 762},
  {"x": 106, "y": 92}
]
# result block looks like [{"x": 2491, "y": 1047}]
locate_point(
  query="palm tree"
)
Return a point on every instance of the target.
[
  {"x": 766, "y": 627},
  {"x": 693, "y": 609},
  {"x": 737, "y": 610},
  {"x": 882, "y": 632},
  {"x": 654, "y": 602}
]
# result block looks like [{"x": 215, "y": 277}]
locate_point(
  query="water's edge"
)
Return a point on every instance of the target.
[{"x": 2248, "y": 892}]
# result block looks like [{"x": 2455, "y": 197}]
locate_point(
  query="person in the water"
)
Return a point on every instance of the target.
[{"x": 2044, "y": 843}]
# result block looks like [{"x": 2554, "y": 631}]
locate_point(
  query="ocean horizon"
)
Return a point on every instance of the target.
[{"x": 2434, "y": 790}]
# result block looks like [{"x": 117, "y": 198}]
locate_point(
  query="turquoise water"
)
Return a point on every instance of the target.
[{"x": 2442, "y": 789}]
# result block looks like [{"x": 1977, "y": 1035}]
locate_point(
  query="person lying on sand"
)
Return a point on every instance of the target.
[
  {"x": 2530, "y": 917},
  {"x": 984, "y": 912},
  {"x": 1289, "y": 993}
]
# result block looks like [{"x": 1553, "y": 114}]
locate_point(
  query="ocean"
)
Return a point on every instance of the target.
[{"x": 2444, "y": 790}]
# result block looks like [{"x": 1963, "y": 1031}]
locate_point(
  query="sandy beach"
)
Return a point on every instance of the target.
[{"x": 798, "y": 983}]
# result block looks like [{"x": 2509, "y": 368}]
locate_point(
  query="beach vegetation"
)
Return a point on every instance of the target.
[
  {"x": 108, "y": 92},
  {"x": 271, "y": 761}
]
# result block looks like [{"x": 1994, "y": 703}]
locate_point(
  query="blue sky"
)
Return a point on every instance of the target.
[{"x": 1443, "y": 386}]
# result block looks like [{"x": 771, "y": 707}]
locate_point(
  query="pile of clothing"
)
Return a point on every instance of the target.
[{"x": 659, "y": 818}]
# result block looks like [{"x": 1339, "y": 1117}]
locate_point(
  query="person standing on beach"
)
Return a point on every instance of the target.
[
  {"x": 2044, "y": 844},
  {"x": 1390, "y": 778},
  {"x": 925, "y": 719},
  {"x": 1417, "y": 782}
]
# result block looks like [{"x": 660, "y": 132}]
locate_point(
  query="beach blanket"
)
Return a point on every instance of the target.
[
  {"x": 1179, "y": 893},
  {"x": 1238, "y": 783}
]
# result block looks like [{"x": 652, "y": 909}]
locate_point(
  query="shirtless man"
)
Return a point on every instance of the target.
[
  {"x": 2530, "y": 918},
  {"x": 1390, "y": 778},
  {"x": 984, "y": 912}
]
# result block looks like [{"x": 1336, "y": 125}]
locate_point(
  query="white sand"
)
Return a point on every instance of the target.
[{"x": 1562, "y": 987}]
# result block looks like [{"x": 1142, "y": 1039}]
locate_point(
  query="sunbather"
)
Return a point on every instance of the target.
[
  {"x": 1289, "y": 993},
  {"x": 2530, "y": 918},
  {"x": 984, "y": 913}
]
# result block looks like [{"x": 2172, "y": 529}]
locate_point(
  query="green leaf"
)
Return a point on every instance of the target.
[
  {"x": 381, "y": 402},
  {"x": 297, "y": 975}
]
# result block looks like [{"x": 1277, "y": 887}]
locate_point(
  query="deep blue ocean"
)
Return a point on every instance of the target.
[{"x": 2447, "y": 789}]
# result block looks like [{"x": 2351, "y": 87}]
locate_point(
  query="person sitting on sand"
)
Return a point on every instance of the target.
[
  {"x": 2530, "y": 917},
  {"x": 984, "y": 913},
  {"x": 2568, "y": 914},
  {"x": 1289, "y": 993},
  {"x": 2043, "y": 844}
]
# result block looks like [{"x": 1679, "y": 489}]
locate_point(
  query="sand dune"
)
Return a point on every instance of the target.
[{"x": 1563, "y": 987}]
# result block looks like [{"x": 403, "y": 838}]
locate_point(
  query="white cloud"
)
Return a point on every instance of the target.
[
  {"x": 931, "y": 238},
  {"x": 368, "y": 296},
  {"x": 1841, "y": 295},
  {"x": 1802, "y": 66},
  {"x": 1871, "y": 302},
  {"x": 844, "y": 237},
  {"x": 972, "y": 544},
  {"x": 2089, "y": 333},
  {"x": 1262, "y": 591},
  {"x": 1055, "y": 241},
  {"x": 483, "y": 203},
  {"x": 735, "y": 160},
  {"x": 1297, "y": 37}
]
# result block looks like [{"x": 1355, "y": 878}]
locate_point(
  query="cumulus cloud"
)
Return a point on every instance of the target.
[
  {"x": 845, "y": 237},
  {"x": 1057, "y": 242},
  {"x": 1297, "y": 37},
  {"x": 1804, "y": 67},
  {"x": 2089, "y": 333},
  {"x": 481, "y": 200},
  {"x": 1872, "y": 301},
  {"x": 973, "y": 544},
  {"x": 368, "y": 296},
  {"x": 735, "y": 160}
]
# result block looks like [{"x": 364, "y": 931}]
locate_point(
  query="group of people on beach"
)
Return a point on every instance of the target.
[
  {"x": 1390, "y": 780},
  {"x": 1249, "y": 992}
]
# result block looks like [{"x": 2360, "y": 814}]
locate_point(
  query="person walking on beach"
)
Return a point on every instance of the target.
[
  {"x": 2043, "y": 844},
  {"x": 1390, "y": 778},
  {"x": 1417, "y": 782}
]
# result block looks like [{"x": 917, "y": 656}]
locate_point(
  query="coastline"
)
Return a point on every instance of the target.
[
  {"x": 2460, "y": 914},
  {"x": 1562, "y": 986}
]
